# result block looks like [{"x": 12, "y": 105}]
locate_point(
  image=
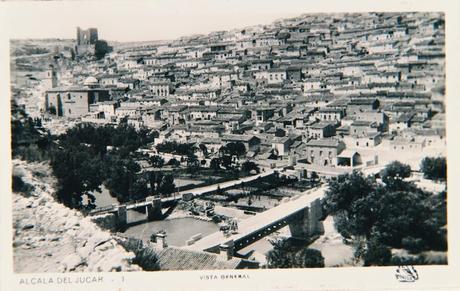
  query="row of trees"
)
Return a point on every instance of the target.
[
  {"x": 392, "y": 214},
  {"x": 89, "y": 156},
  {"x": 173, "y": 147},
  {"x": 226, "y": 159}
]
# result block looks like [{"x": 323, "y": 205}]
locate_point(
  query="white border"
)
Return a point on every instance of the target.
[{"x": 431, "y": 277}]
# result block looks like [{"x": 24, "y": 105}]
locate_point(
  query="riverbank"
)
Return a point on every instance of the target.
[
  {"x": 332, "y": 247},
  {"x": 49, "y": 237}
]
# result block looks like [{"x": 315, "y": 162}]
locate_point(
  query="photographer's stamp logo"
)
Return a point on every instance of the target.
[{"x": 406, "y": 274}]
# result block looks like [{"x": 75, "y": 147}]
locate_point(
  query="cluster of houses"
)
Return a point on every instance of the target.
[{"x": 314, "y": 92}]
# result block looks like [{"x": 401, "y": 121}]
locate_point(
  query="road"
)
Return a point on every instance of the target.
[{"x": 224, "y": 185}]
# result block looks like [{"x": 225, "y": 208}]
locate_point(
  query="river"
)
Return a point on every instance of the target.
[{"x": 178, "y": 230}]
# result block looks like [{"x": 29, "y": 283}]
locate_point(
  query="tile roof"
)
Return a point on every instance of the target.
[
  {"x": 327, "y": 142},
  {"x": 172, "y": 258}
]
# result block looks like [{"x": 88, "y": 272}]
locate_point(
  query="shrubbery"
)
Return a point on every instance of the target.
[
  {"x": 286, "y": 254},
  {"x": 434, "y": 168},
  {"x": 395, "y": 214},
  {"x": 146, "y": 257}
]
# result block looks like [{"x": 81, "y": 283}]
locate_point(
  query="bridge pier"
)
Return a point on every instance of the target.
[
  {"x": 153, "y": 209},
  {"x": 122, "y": 217},
  {"x": 307, "y": 223}
]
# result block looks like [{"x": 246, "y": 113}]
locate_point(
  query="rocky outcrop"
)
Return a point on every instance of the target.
[
  {"x": 49, "y": 237},
  {"x": 106, "y": 221}
]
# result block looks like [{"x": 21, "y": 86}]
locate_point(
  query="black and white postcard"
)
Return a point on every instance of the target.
[{"x": 229, "y": 145}]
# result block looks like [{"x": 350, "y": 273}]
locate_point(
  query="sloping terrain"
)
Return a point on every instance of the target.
[{"x": 49, "y": 237}]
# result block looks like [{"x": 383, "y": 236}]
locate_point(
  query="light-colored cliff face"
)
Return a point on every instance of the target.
[{"x": 49, "y": 237}]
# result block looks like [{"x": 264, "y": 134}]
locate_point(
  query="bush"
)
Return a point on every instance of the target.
[
  {"x": 409, "y": 260},
  {"x": 173, "y": 162},
  {"x": 18, "y": 185},
  {"x": 146, "y": 257},
  {"x": 285, "y": 254},
  {"x": 396, "y": 214},
  {"x": 395, "y": 170},
  {"x": 434, "y": 168},
  {"x": 377, "y": 254},
  {"x": 308, "y": 258},
  {"x": 101, "y": 49},
  {"x": 413, "y": 245}
]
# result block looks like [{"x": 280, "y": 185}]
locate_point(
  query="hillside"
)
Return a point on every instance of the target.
[{"x": 49, "y": 237}]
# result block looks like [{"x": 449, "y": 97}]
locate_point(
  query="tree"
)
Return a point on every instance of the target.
[
  {"x": 401, "y": 214},
  {"x": 215, "y": 164},
  {"x": 173, "y": 162},
  {"x": 204, "y": 149},
  {"x": 122, "y": 178},
  {"x": 138, "y": 189},
  {"x": 308, "y": 258},
  {"x": 287, "y": 255},
  {"x": 184, "y": 149},
  {"x": 395, "y": 170},
  {"x": 345, "y": 189},
  {"x": 234, "y": 149},
  {"x": 249, "y": 166},
  {"x": 161, "y": 184},
  {"x": 281, "y": 256},
  {"x": 192, "y": 163},
  {"x": 101, "y": 48},
  {"x": 166, "y": 185},
  {"x": 376, "y": 254},
  {"x": 396, "y": 214},
  {"x": 226, "y": 162},
  {"x": 156, "y": 161},
  {"x": 78, "y": 172},
  {"x": 434, "y": 168}
]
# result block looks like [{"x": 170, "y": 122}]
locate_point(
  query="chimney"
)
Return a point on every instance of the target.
[
  {"x": 226, "y": 251},
  {"x": 161, "y": 240}
]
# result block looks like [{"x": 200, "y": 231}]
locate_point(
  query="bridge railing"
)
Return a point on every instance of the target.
[
  {"x": 113, "y": 206},
  {"x": 102, "y": 209}
]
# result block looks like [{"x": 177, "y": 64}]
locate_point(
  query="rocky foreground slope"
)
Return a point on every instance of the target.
[{"x": 49, "y": 237}]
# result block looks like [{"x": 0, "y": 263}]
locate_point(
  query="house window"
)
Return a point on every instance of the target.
[
  {"x": 320, "y": 153},
  {"x": 70, "y": 111}
]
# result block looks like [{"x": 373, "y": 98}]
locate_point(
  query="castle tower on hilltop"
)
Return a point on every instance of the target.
[
  {"x": 86, "y": 40},
  {"x": 86, "y": 37}
]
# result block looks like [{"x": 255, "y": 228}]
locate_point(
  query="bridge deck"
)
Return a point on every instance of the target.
[{"x": 260, "y": 221}]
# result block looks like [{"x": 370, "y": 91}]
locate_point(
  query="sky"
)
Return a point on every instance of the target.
[{"x": 139, "y": 20}]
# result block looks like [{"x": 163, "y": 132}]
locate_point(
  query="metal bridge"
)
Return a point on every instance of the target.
[{"x": 301, "y": 213}]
